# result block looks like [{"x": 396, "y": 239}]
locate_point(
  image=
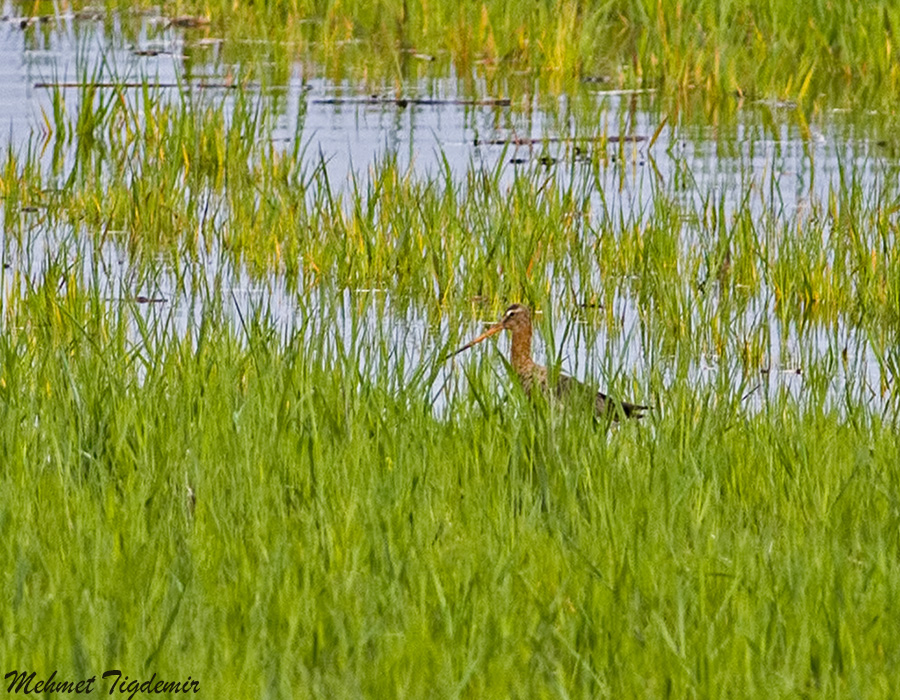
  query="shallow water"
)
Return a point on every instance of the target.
[{"x": 789, "y": 167}]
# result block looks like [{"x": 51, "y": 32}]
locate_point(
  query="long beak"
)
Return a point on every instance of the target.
[{"x": 493, "y": 330}]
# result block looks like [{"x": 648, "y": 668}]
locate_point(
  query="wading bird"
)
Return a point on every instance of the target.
[{"x": 517, "y": 320}]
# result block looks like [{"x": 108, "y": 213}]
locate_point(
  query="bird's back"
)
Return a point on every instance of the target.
[{"x": 536, "y": 378}]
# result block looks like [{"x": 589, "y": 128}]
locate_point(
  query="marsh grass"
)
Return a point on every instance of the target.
[
  {"x": 343, "y": 540},
  {"x": 704, "y": 58},
  {"x": 818, "y": 54}
]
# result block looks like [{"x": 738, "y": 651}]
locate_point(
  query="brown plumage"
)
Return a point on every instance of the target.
[{"x": 517, "y": 320}]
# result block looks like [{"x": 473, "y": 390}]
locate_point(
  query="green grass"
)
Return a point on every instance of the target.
[
  {"x": 699, "y": 53},
  {"x": 275, "y": 483},
  {"x": 345, "y": 541}
]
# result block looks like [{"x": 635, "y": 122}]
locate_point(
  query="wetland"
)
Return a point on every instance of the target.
[{"x": 239, "y": 243}]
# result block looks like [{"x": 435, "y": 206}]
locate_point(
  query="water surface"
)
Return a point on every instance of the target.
[{"x": 614, "y": 147}]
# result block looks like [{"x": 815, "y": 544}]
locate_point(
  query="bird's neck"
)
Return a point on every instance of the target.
[{"x": 521, "y": 350}]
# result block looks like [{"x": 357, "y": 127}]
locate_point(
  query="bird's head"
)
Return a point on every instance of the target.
[{"x": 515, "y": 317}]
